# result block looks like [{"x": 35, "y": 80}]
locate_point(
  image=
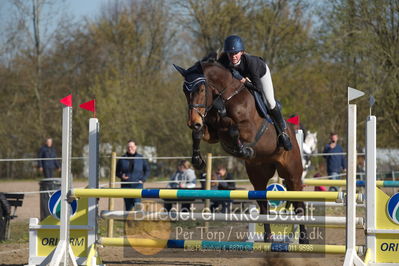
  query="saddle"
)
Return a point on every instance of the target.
[{"x": 262, "y": 108}]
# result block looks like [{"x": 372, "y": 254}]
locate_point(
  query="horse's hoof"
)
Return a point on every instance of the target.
[{"x": 267, "y": 238}]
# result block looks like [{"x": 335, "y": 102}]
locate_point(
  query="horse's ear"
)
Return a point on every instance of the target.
[
  {"x": 181, "y": 70},
  {"x": 211, "y": 57},
  {"x": 218, "y": 53}
]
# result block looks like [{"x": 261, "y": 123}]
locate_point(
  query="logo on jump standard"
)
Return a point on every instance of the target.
[{"x": 393, "y": 208}]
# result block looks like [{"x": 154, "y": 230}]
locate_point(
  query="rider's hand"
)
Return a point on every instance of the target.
[
  {"x": 237, "y": 74},
  {"x": 250, "y": 85}
]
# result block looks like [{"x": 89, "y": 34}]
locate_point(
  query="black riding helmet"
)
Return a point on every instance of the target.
[{"x": 233, "y": 44}]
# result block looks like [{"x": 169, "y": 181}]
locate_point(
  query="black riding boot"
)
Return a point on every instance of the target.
[{"x": 281, "y": 126}]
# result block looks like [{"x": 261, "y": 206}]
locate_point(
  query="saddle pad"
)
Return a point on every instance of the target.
[{"x": 263, "y": 110}]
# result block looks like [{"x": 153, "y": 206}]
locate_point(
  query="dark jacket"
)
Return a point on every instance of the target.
[
  {"x": 47, "y": 152},
  {"x": 252, "y": 67},
  {"x": 335, "y": 163},
  {"x": 136, "y": 169},
  {"x": 227, "y": 185}
]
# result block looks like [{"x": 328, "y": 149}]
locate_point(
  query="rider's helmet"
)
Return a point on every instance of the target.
[{"x": 233, "y": 44}]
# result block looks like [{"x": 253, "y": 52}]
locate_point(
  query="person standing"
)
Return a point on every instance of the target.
[
  {"x": 49, "y": 184},
  {"x": 47, "y": 166},
  {"x": 335, "y": 162},
  {"x": 134, "y": 170},
  {"x": 226, "y": 182}
]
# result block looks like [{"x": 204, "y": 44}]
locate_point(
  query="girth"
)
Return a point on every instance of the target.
[{"x": 234, "y": 150}]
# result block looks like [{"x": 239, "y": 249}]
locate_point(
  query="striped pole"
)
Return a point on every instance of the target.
[
  {"x": 208, "y": 194},
  {"x": 198, "y": 245},
  {"x": 342, "y": 183}
]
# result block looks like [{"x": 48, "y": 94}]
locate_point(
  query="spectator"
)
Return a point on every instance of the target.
[
  {"x": 335, "y": 163},
  {"x": 47, "y": 166},
  {"x": 134, "y": 170},
  {"x": 189, "y": 179},
  {"x": 222, "y": 175},
  {"x": 319, "y": 188},
  {"x": 176, "y": 177},
  {"x": 183, "y": 178}
]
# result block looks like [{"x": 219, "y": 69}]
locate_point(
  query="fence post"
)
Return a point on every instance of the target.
[
  {"x": 208, "y": 183},
  {"x": 110, "y": 226}
]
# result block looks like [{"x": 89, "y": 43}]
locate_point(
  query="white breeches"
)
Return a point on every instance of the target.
[{"x": 268, "y": 90}]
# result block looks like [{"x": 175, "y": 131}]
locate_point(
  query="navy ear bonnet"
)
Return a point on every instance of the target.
[{"x": 193, "y": 78}]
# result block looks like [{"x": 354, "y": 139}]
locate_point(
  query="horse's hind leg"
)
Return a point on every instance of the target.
[
  {"x": 259, "y": 175},
  {"x": 292, "y": 177}
]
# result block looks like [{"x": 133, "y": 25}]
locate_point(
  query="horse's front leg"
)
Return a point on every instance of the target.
[
  {"x": 243, "y": 151},
  {"x": 196, "y": 159}
]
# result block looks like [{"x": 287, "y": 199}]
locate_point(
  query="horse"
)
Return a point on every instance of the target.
[
  {"x": 221, "y": 109},
  {"x": 309, "y": 147}
]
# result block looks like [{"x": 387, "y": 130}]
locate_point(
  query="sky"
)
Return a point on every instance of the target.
[
  {"x": 78, "y": 8},
  {"x": 81, "y": 8}
]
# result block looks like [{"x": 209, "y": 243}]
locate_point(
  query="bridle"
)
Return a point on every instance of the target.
[{"x": 193, "y": 85}]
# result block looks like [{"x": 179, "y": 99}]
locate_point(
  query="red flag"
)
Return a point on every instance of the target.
[
  {"x": 294, "y": 120},
  {"x": 89, "y": 106},
  {"x": 67, "y": 100}
]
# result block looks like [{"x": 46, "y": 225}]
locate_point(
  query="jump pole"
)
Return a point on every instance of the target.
[
  {"x": 223, "y": 245},
  {"x": 210, "y": 194},
  {"x": 227, "y": 217},
  {"x": 342, "y": 183}
]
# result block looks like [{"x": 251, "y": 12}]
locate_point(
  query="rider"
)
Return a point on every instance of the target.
[{"x": 245, "y": 66}]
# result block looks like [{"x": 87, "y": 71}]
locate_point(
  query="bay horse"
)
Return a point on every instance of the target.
[{"x": 222, "y": 109}]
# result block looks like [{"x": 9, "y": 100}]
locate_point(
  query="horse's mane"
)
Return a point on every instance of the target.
[{"x": 211, "y": 60}]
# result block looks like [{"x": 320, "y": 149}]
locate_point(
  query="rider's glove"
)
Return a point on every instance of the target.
[
  {"x": 236, "y": 74},
  {"x": 251, "y": 86}
]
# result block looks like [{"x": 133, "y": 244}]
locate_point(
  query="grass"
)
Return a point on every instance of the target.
[{"x": 19, "y": 233}]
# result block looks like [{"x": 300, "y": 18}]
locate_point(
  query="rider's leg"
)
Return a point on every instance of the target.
[
  {"x": 268, "y": 94},
  {"x": 268, "y": 90}
]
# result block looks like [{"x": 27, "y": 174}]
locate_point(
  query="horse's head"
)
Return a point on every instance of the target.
[
  {"x": 311, "y": 142},
  {"x": 203, "y": 82},
  {"x": 199, "y": 100}
]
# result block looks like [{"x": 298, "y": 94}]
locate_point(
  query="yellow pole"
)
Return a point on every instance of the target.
[
  {"x": 110, "y": 227},
  {"x": 259, "y": 246},
  {"x": 208, "y": 183}
]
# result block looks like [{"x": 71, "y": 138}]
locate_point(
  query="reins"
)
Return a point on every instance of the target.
[{"x": 219, "y": 95}]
